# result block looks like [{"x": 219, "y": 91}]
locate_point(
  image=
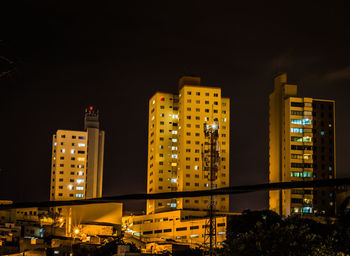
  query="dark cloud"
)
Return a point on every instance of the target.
[{"x": 341, "y": 74}]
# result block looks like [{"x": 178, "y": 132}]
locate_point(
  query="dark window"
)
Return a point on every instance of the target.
[
  {"x": 297, "y": 104},
  {"x": 297, "y": 201}
]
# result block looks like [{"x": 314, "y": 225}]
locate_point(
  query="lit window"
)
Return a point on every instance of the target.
[
  {"x": 306, "y": 121},
  {"x": 173, "y": 148},
  {"x": 72, "y": 151},
  {"x": 80, "y": 181},
  {"x": 307, "y": 156},
  {"x": 153, "y": 102},
  {"x": 70, "y": 186},
  {"x": 174, "y": 180},
  {"x": 175, "y": 116},
  {"x": 297, "y": 130},
  {"x": 81, "y": 144},
  {"x": 296, "y": 121},
  {"x": 80, "y": 173},
  {"x": 161, "y": 98},
  {"x": 322, "y": 133},
  {"x": 307, "y": 139},
  {"x": 173, "y": 156},
  {"x": 173, "y": 164},
  {"x": 307, "y": 209},
  {"x": 298, "y": 139},
  {"x": 55, "y": 144},
  {"x": 174, "y": 132},
  {"x": 301, "y": 174},
  {"x": 80, "y": 166},
  {"x": 174, "y": 140},
  {"x": 81, "y": 159},
  {"x": 79, "y": 195},
  {"x": 63, "y": 150},
  {"x": 173, "y": 205},
  {"x": 196, "y": 167}
]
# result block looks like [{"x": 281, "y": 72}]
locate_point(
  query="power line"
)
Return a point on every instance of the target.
[{"x": 184, "y": 194}]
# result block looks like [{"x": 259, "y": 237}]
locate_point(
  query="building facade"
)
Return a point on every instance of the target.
[
  {"x": 179, "y": 225},
  {"x": 175, "y": 140},
  {"x": 301, "y": 147},
  {"x": 77, "y": 161}
]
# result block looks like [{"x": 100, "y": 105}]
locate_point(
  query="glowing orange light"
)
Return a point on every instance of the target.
[{"x": 91, "y": 107}]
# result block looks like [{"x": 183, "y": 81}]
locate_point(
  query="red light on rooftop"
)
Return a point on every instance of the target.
[
  {"x": 161, "y": 98},
  {"x": 91, "y": 108}
]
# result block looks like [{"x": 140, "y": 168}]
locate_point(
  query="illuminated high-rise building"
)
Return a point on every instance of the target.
[
  {"x": 77, "y": 161},
  {"x": 301, "y": 148},
  {"x": 176, "y": 136}
]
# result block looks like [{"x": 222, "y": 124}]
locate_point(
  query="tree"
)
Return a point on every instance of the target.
[{"x": 265, "y": 233}]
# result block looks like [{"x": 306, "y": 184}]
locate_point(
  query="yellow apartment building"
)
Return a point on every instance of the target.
[
  {"x": 77, "y": 161},
  {"x": 175, "y": 139},
  {"x": 301, "y": 147}
]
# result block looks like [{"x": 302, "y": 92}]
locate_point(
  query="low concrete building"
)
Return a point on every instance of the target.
[{"x": 182, "y": 226}]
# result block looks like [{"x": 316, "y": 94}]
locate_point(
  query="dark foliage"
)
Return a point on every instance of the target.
[{"x": 265, "y": 233}]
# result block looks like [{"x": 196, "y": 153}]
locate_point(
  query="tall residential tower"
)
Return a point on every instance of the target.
[
  {"x": 301, "y": 147},
  {"x": 176, "y": 136},
  {"x": 77, "y": 161}
]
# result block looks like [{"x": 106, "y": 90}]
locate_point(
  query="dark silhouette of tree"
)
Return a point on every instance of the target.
[{"x": 265, "y": 233}]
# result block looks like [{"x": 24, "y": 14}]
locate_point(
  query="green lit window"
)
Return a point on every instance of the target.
[{"x": 298, "y": 139}]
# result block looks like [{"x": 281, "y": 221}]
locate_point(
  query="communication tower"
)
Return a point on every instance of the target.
[{"x": 210, "y": 165}]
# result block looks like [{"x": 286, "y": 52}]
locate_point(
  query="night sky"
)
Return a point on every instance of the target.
[{"x": 116, "y": 54}]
